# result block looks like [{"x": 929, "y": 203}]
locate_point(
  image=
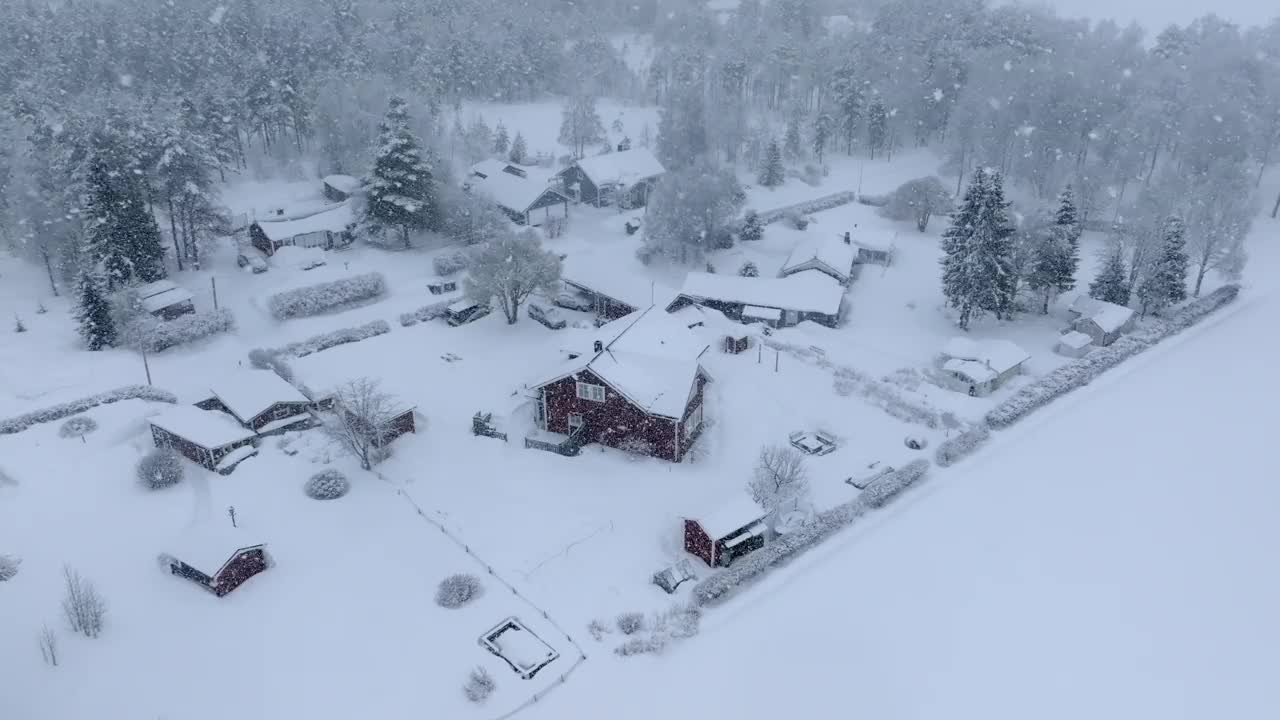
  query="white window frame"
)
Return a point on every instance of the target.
[
  {"x": 588, "y": 391},
  {"x": 693, "y": 422},
  {"x": 574, "y": 426}
]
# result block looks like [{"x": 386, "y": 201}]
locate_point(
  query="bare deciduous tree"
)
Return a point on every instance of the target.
[
  {"x": 48, "y": 645},
  {"x": 510, "y": 268},
  {"x": 84, "y": 607},
  {"x": 780, "y": 479},
  {"x": 362, "y": 419}
]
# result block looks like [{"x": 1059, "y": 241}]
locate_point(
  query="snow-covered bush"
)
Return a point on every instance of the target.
[
  {"x": 823, "y": 203},
  {"x": 890, "y": 485},
  {"x": 8, "y": 567},
  {"x": 160, "y": 468},
  {"x": 749, "y": 269},
  {"x": 322, "y": 297},
  {"x": 186, "y": 328},
  {"x": 324, "y": 341},
  {"x": 8, "y": 426},
  {"x": 642, "y": 646},
  {"x": 327, "y": 484},
  {"x": 717, "y": 587},
  {"x": 961, "y": 446},
  {"x": 918, "y": 200},
  {"x": 629, "y": 623},
  {"x": 18, "y": 325},
  {"x": 458, "y": 590},
  {"x": 263, "y": 359},
  {"x": 78, "y": 427},
  {"x": 598, "y": 629},
  {"x": 450, "y": 262},
  {"x": 636, "y": 448},
  {"x": 796, "y": 219},
  {"x": 678, "y": 623},
  {"x": 1085, "y": 370},
  {"x": 83, "y": 606},
  {"x": 479, "y": 685},
  {"x": 424, "y": 313}
]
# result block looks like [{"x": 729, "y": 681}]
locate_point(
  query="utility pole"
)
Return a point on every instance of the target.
[
  {"x": 145, "y": 365},
  {"x": 213, "y": 283},
  {"x": 231, "y": 510}
]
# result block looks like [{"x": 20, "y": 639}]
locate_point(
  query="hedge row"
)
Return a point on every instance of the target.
[
  {"x": 812, "y": 206},
  {"x": 188, "y": 328},
  {"x": 961, "y": 446},
  {"x": 424, "y": 313},
  {"x": 58, "y": 412},
  {"x": 716, "y": 588},
  {"x": 343, "y": 336},
  {"x": 322, "y": 297},
  {"x": 1085, "y": 370}
]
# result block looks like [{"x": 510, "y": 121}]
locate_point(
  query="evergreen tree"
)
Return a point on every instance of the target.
[
  {"x": 518, "y": 149},
  {"x": 682, "y": 127},
  {"x": 977, "y": 267},
  {"x": 847, "y": 92},
  {"x": 1052, "y": 267},
  {"x": 752, "y": 228},
  {"x": 501, "y": 140},
  {"x": 749, "y": 269},
  {"x": 1112, "y": 284},
  {"x": 120, "y": 232},
  {"x": 93, "y": 311},
  {"x": 877, "y": 127},
  {"x": 772, "y": 174},
  {"x": 792, "y": 145},
  {"x": 1166, "y": 281},
  {"x": 401, "y": 188},
  {"x": 1068, "y": 215},
  {"x": 821, "y": 135}
]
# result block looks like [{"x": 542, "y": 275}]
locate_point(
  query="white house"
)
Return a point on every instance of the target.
[
  {"x": 980, "y": 367},
  {"x": 527, "y": 200},
  {"x": 1102, "y": 321}
]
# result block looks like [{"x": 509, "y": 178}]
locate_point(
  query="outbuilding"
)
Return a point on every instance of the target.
[
  {"x": 778, "y": 302},
  {"x": 729, "y": 532},
  {"x": 338, "y": 188},
  {"x": 327, "y": 229},
  {"x": 626, "y": 178},
  {"x": 1102, "y": 321},
  {"x": 259, "y": 400},
  {"x": 165, "y": 299},
  {"x": 1074, "y": 344},
  {"x": 526, "y": 200},
  {"x": 872, "y": 253},
  {"x": 217, "y": 556},
  {"x": 980, "y": 367},
  {"x": 205, "y": 437},
  {"x": 830, "y": 255}
]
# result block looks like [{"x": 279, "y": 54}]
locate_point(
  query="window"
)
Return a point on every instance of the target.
[
  {"x": 594, "y": 393},
  {"x": 693, "y": 422},
  {"x": 575, "y": 422}
]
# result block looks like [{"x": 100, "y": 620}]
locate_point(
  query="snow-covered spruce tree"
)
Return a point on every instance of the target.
[
  {"x": 1112, "y": 283},
  {"x": 1166, "y": 282},
  {"x": 772, "y": 174},
  {"x": 1057, "y": 256},
  {"x": 918, "y": 200},
  {"x": 749, "y": 269},
  {"x": 479, "y": 139},
  {"x": 509, "y": 268},
  {"x": 822, "y": 127},
  {"x": 93, "y": 311},
  {"x": 977, "y": 264},
  {"x": 687, "y": 210},
  {"x": 877, "y": 127},
  {"x": 519, "y": 149},
  {"x": 120, "y": 233},
  {"x": 682, "y": 124},
  {"x": 752, "y": 228},
  {"x": 580, "y": 124},
  {"x": 184, "y": 182},
  {"x": 846, "y": 90},
  {"x": 501, "y": 140},
  {"x": 792, "y": 144},
  {"x": 401, "y": 188}
]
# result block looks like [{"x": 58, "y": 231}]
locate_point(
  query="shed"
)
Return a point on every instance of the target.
[
  {"x": 216, "y": 555},
  {"x": 259, "y": 399},
  {"x": 732, "y": 530},
  {"x": 872, "y": 253},
  {"x": 1074, "y": 344},
  {"x": 626, "y": 177},
  {"x": 805, "y": 295},
  {"x": 519, "y": 196},
  {"x": 205, "y": 437},
  {"x": 165, "y": 299},
  {"x": 1102, "y": 321},
  {"x": 980, "y": 367},
  {"x": 327, "y": 229},
  {"x": 338, "y": 188},
  {"x": 828, "y": 255}
]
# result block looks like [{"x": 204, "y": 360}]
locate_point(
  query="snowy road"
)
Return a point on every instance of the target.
[{"x": 1127, "y": 573}]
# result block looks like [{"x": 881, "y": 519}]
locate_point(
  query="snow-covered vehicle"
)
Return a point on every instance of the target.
[
  {"x": 547, "y": 315},
  {"x": 573, "y": 301},
  {"x": 465, "y": 311}
]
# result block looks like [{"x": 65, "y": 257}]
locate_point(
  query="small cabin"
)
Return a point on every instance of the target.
[
  {"x": 165, "y": 300},
  {"x": 828, "y": 255},
  {"x": 1102, "y": 321},
  {"x": 327, "y": 229},
  {"x": 778, "y": 302},
  {"x": 625, "y": 178},
  {"x": 981, "y": 367},
  {"x": 733, "y": 530},
  {"x": 1074, "y": 344},
  {"x": 216, "y": 556}
]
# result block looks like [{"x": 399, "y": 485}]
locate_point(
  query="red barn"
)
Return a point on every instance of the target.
[
  {"x": 217, "y": 556},
  {"x": 638, "y": 384},
  {"x": 731, "y": 531}
]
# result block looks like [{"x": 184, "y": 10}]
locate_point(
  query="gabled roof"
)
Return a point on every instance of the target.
[
  {"x": 1074, "y": 340},
  {"x": 806, "y": 291},
  {"x": 1108, "y": 316},
  {"x": 649, "y": 356},
  {"x": 607, "y": 279},
  {"x": 209, "y": 543},
  {"x": 830, "y": 253},
  {"x": 738, "y": 513},
  {"x": 249, "y": 393},
  {"x": 167, "y": 298},
  {"x": 342, "y": 183},
  {"x": 155, "y": 288},
  {"x": 209, "y": 429},
  {"x": 513, "y": 192},
  {"x": 333, "y": 220},
  {"x": 997, "y": 356},
  {"x": 625, "y": 167}
]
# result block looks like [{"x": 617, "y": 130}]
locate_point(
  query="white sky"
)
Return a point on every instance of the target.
[{"x": 1154, "y": 15}]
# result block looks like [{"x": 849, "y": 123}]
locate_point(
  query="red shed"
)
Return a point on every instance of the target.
[
  {"x": 733, "y": 530},
  {"x": 217, "y": 556}
]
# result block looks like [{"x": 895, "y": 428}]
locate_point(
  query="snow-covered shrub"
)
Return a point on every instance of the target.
[
  {"x": 329, "y": 484},
  {"x": 823, "y": 203},
  {"x": 450, "y": 262},
  {"x": 77, "y": 427},
  {"x": 641, "y": 646},
  {"x": 678, "y": 623},
  {"x": 886, "y": 396},
  {"x": 424, "y": 313},
  {"x": 890, "y": 485},
  {"x": 324, "y": 341},
  {"x": 796, "y": 219},
  {"x": 186, "y": 328},
  {"x": 749, "y": 269},
  {"x": 53, "y": 413},
  {"x": 874, "y": 200},
  {"x": 961, "y": 446},
  {"x": 263, "y": 359},
  {"x": 8, "y": 567},
  {"x": 1085, "y": 370},
  {"x": 18, "y": 325},
  {"x": 160, "y": 468},
  {"x": 41, "y": 309},
  {"x": 323, "y": 297},
  {"x": 636, "y": 448},
  {"x": 458, "y": 590},
  {"x": 598, "y": 629},
  {"x": 717, "y": 587},
  {"x": 83, "y": 606},
  {"x": 629, "y": 623},
  {"x": 479, "y": 685}
]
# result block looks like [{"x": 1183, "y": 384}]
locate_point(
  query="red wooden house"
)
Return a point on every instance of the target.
[
  {"x": 217, "y": 557},
  {"x": 259, "y": 400},
  {"x": 731, "y": 531},
  {"x": 206, "y": 438},
  {"x": 638, "y": 383}
]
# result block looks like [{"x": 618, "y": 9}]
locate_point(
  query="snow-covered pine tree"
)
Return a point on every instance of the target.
[
  {"x": 479, "y": 139},
  {"x": 580, "y": 124},
  {"x": 877, "y": 127},
  {"x": 120, "y": 232},
  {"x": 401, "y": 188},
  {"x": 93, "y": 311},
  {"x": 518, "y": 149},
  {"x": 1052, "y": 267},
  {"x": 501, "y": 140},
  {"x": 1166, "y": 281},
  {"x": 752, "y": 228},
  {"x": 749, "y": 269},
  {"x": 1112, "y": 283},
  {"x": 822, "y": 124},
  {"x": 977, "y": 263},
  {"x": 772, "y": 174},
  {"x": 682, "y": 125},
  {"x": 847, "y": 94},
  {"x": 792, "y": 144}
]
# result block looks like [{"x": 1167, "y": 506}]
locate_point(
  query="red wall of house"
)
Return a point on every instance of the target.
[
  {"x": 610, "y": 422},
  {"x": 243, "y": 566},
  {"x": 697, "y": 542}
]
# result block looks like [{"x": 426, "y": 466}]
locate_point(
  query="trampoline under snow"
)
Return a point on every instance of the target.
[{"x": 524, "y": 651}]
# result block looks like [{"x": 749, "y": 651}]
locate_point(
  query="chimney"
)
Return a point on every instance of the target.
[
  {"x": 847, "y": 240},
  {"x": 599, "y": 346}
]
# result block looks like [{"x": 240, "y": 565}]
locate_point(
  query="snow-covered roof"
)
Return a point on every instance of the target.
[
  {"x": 830, "y": 252},
  {"x": 165, "y": 299},
  {"x": 248, "y": 393},
  {"x": 333, "y": 220},
  {"x": 806, "y": 291},
  {"x": 878, "y": 245},
  {"x": 996, "y": 355},
  {"x": 739, "y": 512},
  {"x": 649, "y": 356},
  {"x": 236, "y": 456},
  {"x": 206, "y": 428},
  {"x": 1074, "y": 340},
  {"x": 155, "y": 288},
  {"x": 342, "y": 183},
  {"x": 1108, "y": 316},
  {"x": 512, "y": 192},
  {"x": 208, "y": 544},
  {"x": 490, "y": 166},
  {"x": 626, "y": 167},
  {"x": 975, "y": 370},
  {"x": 753, "y": 311},
  {"x": 604, "y": 278}
]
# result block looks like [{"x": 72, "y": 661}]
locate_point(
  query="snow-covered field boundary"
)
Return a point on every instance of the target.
[
  {"x": 1081, "y": 372},
  {"x": 961, "y": 446},
  {"x": 719, "y": 587},
  {"x": 809, "y": 206},
  {"x": 17, "y": 424},
  {"x": 425, "y": 313},
  {"x": 324, "y": 341},
  {"x": 323, "y": 297},
  {"x": 188, "y": 328}
]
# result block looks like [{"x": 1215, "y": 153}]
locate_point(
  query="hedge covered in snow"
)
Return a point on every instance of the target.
[
  {"x": 19, "y": 423},
  {"x": 322, "y": 297},
  {"x": 451, "y": 262},
  {"x": 188, "y": 328},
  {"x": 1085, "y": 370},
  {"x": 716, "y": 588},
  {"x": 961, "y": 446},
  {"x": 324, "y": 341},
  {"x": 424, "y": 313},
  {"x": 812, "y": 206}
]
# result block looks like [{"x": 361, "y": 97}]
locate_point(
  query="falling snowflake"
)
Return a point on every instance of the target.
[
  {"x": 1127, "y": 72},
  {"x": 126, "y": 81},
  {"x": 215, "y": 17},
  {"x": 1217, "y": 118},
  {"x": 1008, "y": 66},
  {"x": 937, "y": 95},
  {"x": 994, "y": 103},
  {"x": 1093, "y": 135}
]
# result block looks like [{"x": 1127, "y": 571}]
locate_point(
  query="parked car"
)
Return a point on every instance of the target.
[
  {"x": 548, "y": 316},
  {"x": 465, "y": 311},
  {"x": 632, "y": 226},
  {"x": 573, "y": 301},
  {"x": 252, "y": 259}
]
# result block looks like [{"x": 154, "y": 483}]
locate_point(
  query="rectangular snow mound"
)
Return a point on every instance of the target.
[{"x": 524, "y": 651}]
